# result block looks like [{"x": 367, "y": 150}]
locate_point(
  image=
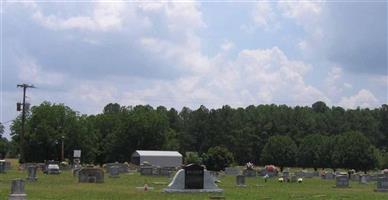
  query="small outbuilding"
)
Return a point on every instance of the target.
[{"x": 157, "y": 158}]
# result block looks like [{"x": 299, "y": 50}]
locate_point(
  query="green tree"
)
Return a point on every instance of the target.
[
  {"x": 319, "y": 107},
  {"x": 354, "y": 151},
  {"x": 217, "y": 158},
  {"x": 280, "y": 151},
  {"x": 192, "y": 157},
  {"x": 309, "y": 152}
]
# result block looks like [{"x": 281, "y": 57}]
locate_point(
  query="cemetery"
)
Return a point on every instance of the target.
[{"x": 190, "y": 182}]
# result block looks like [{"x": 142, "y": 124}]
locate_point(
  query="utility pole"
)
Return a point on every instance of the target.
[
  {"x": 24, "y": 86},
  {"x": 63, "y": 149}
]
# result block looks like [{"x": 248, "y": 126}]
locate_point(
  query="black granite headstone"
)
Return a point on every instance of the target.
[{"x": 194, "y": 176}]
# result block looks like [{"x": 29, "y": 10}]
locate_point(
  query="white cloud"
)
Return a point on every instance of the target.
[
  {"x": 30, "y": 71},
  {"x": 263, "y": 14},
  {"x": 381, "y": 80},
  {"x": 227, "y": 45},
  {"x": 364, "y": 98},
  {"x": 304, "y": 12},
  {"x": 307, "y": 14},
  {"x": 334, "y": 88},
  {"x": 105, "y": 16}
]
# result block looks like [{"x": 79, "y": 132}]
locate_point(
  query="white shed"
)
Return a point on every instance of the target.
[{"x": 157, "y": 158}]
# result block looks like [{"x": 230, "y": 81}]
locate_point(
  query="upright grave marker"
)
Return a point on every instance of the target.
[
  {"x": 382, "y": 184},
  {"x": 342, "y": 181},
  {"x": 114, "y": 172},
  {"x": 17, "y": 190},
  {"x": 194, "y": 176},
  {"x": 32, "y": 170},
  {"x": 91, "y": 175},
  {"x": 232, "y": 171},
  {"x": 240, "y": 180},
  {"x": 2, "y": 166}
]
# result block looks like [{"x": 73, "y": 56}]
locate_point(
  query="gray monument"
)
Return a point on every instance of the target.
[
  {"x": 328, "y": 175},
  {"x": 114, "y": 172},
  {"x": 123, "y": 167},
  {"x": 32, "y": 170},
  {"x": 234, "y": 171},
  {"x": 192, "y": 178},
  {"x": 2, "y": 166},
  {"x": 363, "y": 179},
  {"x": 91, "y": 175},
  {"x": 166, "y": 171},
  {"x": 342, "y": 181},
  {"x": 249, "y": 173},
  {"x": 240, "y": 180},
  {"x": 294, "y": 179},
  {"x": 382, "y": 184},
  {"x": 146, "y": 170},
  {"x": 17, "y": 190}
]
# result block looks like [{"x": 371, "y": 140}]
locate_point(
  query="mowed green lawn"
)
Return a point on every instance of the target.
[{"x": 65, "y": 186}]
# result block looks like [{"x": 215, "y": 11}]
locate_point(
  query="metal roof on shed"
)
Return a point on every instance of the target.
[{"x": 158, "y": 153}]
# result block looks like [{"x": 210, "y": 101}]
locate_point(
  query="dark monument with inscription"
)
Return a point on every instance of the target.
[{"x": 194, "y": 176}]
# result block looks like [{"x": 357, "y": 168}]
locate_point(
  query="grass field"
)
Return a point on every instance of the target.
[{"x": 65, "y": 186}]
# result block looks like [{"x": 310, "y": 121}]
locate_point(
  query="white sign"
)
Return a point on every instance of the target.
[{"x": 77, "y": 154}]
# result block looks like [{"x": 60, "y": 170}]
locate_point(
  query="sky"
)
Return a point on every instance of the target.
[{"x": 190, "y": 53}]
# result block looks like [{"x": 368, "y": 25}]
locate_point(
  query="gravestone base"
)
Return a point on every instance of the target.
[
  {"x": 31, "y": 179},
  {"x": 381, "y": 190},
  {"x": 344, "y": 187},
  {"x": 17, "y": 197},
  {"x": 194, "y": 190},
  {"x": 243, "y": 186}
]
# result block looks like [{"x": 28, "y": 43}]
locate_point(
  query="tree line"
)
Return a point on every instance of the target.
[{"x": 315, "y": 136}]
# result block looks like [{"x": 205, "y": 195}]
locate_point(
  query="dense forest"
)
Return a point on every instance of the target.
[{"x": 316, "y": 136}]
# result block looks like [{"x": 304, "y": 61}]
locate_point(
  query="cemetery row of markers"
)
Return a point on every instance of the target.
[{"x": 190, "y": 178}]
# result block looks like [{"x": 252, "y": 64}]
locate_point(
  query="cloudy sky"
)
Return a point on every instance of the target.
[{"x": 187, "y": 53}]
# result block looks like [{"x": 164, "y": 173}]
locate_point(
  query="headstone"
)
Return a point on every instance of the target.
[
  {"x": 123, "y": 168},
  {"x": 146, "y": 170},
  {"x": 342, "y": 181},
  {"x": 382, "y": 184},
  {"x": 7, "y": 165},
  {"x": 193, "y": 179},
  {"x": 286, "y": 174},
  {"x": 328, "y": 176},
  {"x": 374, "y": 177},
  {"x": 32, "y": 170},
  {"x": 234, "y": 171},
  {"x": 249, "y": 173},
  {"x": 194, "y": 176},
  {"x": 294, "y": 179},
  {"x": 240, "y": 180},
  {"x": 2, "y": 166},
  {"x": 265, "y": 172},
  {"x": 308, "y": 174},
  {"x": 355, "y": 177},
  {"x": 315, "y": 173},
  {"x": 76, "y": 171},
  {"x": 363, "y": 179},
  {"x": 17, "y": 190},
  {"x": 91, "y": 175},
  {"x": 114, "y": 172},
  {"x": 156, "y": 171},
  {"x": 166, "y": 171}
]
